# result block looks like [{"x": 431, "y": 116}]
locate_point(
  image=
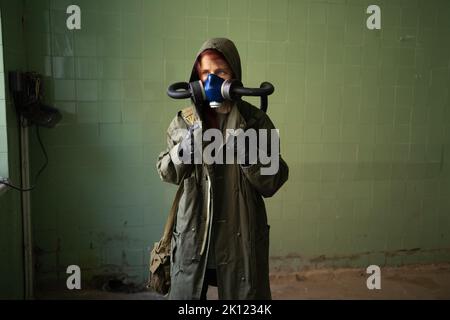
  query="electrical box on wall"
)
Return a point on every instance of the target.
[{"x": 27, "y": 91}]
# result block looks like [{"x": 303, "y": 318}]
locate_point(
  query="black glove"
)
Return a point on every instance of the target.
[
  {"x": 186, "y": 147},
  {"x": 244, "y": 156}
]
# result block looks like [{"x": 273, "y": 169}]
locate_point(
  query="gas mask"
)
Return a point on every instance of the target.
[{"x": 215, "y": 90}]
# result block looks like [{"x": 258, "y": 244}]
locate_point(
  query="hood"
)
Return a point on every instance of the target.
[{"x": 229, "y": 51}]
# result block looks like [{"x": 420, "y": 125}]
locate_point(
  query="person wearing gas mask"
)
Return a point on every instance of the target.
[{"x": 221, "y": 234}]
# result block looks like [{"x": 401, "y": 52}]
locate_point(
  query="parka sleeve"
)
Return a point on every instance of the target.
[
  {"x": 169, "y": 170},
  {"x": 267, "y": 184}
]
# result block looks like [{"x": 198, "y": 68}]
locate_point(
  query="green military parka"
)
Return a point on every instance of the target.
[{"x": 223, "y": 201}]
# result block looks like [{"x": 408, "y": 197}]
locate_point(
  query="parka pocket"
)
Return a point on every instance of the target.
[
  {"x": 188, "y": 222},
  {"x": 184, "y": 249},
  {"x": 188, "y": 205},
  {"x": 175, "y": 265}
]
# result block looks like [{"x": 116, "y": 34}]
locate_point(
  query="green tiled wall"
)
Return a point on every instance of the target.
[
  {"x": 11, "y": 255},
  {"x": 363, "y": 114}
]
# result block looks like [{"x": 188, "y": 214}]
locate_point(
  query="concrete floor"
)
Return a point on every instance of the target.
[{"x": 411, "y": 282}]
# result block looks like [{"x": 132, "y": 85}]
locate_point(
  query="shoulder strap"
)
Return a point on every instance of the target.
[{"x": 188, "y": 115}]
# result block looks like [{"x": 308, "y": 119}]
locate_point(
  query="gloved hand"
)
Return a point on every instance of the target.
[
  {"x": 245, "y": 153},
  {"x": 186, "y": 147}
]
